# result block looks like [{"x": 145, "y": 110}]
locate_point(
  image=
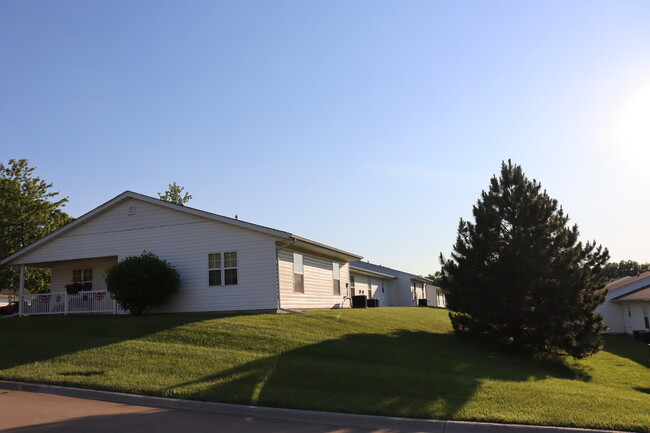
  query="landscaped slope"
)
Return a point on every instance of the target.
[{"x": 387, "y": 361}]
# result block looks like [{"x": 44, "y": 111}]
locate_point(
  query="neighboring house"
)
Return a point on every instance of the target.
[
  {"x": 225, "y": 264},
  {"x": 627, "y": 304},
  {"x": 393, "y": 288},
  {"x": 436, "y": 297}
]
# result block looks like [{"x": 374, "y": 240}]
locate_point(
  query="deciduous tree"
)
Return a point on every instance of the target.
[
  {"x": 29, "y": 210},
  {"x": 624, "y": 268}
]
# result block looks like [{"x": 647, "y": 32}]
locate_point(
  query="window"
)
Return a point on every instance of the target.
[
  {"x": 222, "y": 269},
  {"x": 83, "y": 276},
  {"x": 336, "y": 278},
  {"x": 646, "y": 320},
  {"x": 382, "y": 287},
  {"x": 230, "y": 268},
  {"x": 298, "y": 273}
]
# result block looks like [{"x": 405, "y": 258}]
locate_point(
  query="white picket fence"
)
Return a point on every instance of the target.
[{"x": 96, "y": 301}]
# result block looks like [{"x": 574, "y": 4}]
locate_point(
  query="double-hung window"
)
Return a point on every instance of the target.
[
  {"x": 222, "y": 269},
  {"x": 336, "y": 278},
  {"x": 83, "y": 276},
  {"x": 298, "y": 273}
]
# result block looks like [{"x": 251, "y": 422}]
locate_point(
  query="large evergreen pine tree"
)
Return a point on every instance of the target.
[{"x": 519, "y": 276}]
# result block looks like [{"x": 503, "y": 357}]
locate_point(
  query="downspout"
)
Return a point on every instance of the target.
[
  {"x": 277, "y": 266},
  {"x": 21, "y": 291}
]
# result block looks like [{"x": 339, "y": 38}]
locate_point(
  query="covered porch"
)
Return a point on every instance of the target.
[{"x": 91, "y": 295}]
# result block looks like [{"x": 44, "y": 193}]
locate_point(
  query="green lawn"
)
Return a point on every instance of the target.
[{"x": 388, "y": 361}]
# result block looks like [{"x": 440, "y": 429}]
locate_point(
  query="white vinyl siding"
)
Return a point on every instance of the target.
[
  {"x": 634, "y": 320},
  {"x": 62, "y": 272},
  {"x": 372, "y": 288},
  {"x": 398, "y": 291},
  {"x": 615, "y": 314},
  {"x": 418, "y": 291},
  {"x": 435, "y": 296},
  {"x": 317, "y": 282},
  {"x": 182, "y": 239}
]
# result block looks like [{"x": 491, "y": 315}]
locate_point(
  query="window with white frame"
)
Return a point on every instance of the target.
[
  {"x": 298, "y": 273},
  {"x": 83, "y": 276},
  {"x": 222, "y": 269},
  {"x": 336, "y": 278}
]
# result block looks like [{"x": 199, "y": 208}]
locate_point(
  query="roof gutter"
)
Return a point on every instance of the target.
[{"x": 319, "y": 245}]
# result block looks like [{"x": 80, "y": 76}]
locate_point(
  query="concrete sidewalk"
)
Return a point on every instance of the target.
[{"x": 34, "y": 408}]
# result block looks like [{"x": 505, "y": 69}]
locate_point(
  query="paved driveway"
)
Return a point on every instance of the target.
[{"x": 23, "y": 412}]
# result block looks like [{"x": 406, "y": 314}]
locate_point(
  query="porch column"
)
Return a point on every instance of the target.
[{"x": 21, "y": 290}]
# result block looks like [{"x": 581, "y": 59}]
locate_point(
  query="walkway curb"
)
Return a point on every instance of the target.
[{"x": 306, "y": 416}]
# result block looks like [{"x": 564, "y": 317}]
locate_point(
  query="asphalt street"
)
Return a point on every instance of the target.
[{"x": 23, "y": 412}]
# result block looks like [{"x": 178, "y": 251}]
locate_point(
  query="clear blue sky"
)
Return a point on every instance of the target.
[{"x": 372, "y": 126}]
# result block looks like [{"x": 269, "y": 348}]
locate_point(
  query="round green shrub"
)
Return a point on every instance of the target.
[{"x": 139, "y": 283}]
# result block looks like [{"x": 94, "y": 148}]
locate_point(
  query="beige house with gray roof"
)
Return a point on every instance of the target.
[{"x": 627, "y": 305}]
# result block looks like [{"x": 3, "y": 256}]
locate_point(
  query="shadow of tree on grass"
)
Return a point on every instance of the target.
[
  {"x": 409, "y": 374},
  {"x": 62, "y": 335},
  {"x": 625, "y": 346}
]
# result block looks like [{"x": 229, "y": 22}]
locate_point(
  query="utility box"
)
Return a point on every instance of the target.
[{"x": 359, "y": 301}]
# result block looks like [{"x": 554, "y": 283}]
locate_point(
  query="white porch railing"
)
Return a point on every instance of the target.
[{"x": 96, "y": 301}]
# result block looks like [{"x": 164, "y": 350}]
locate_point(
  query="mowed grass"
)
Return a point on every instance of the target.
[{"x": 387, "y": 361}]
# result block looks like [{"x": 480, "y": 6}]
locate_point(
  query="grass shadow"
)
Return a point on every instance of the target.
[
  {"x": 61, "y": 335},
  {"x": 403, "y": 374},
  {"x": 625, "y": 346}
]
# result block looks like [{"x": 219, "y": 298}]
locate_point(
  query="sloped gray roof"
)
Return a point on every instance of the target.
[
  {"x": 297, "y": 240},
  {"x": 371, "y": 267},
  {"x": 642, "y": 294}
]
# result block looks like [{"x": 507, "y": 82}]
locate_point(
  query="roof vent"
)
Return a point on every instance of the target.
[{"x": 132, "y": 210}]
